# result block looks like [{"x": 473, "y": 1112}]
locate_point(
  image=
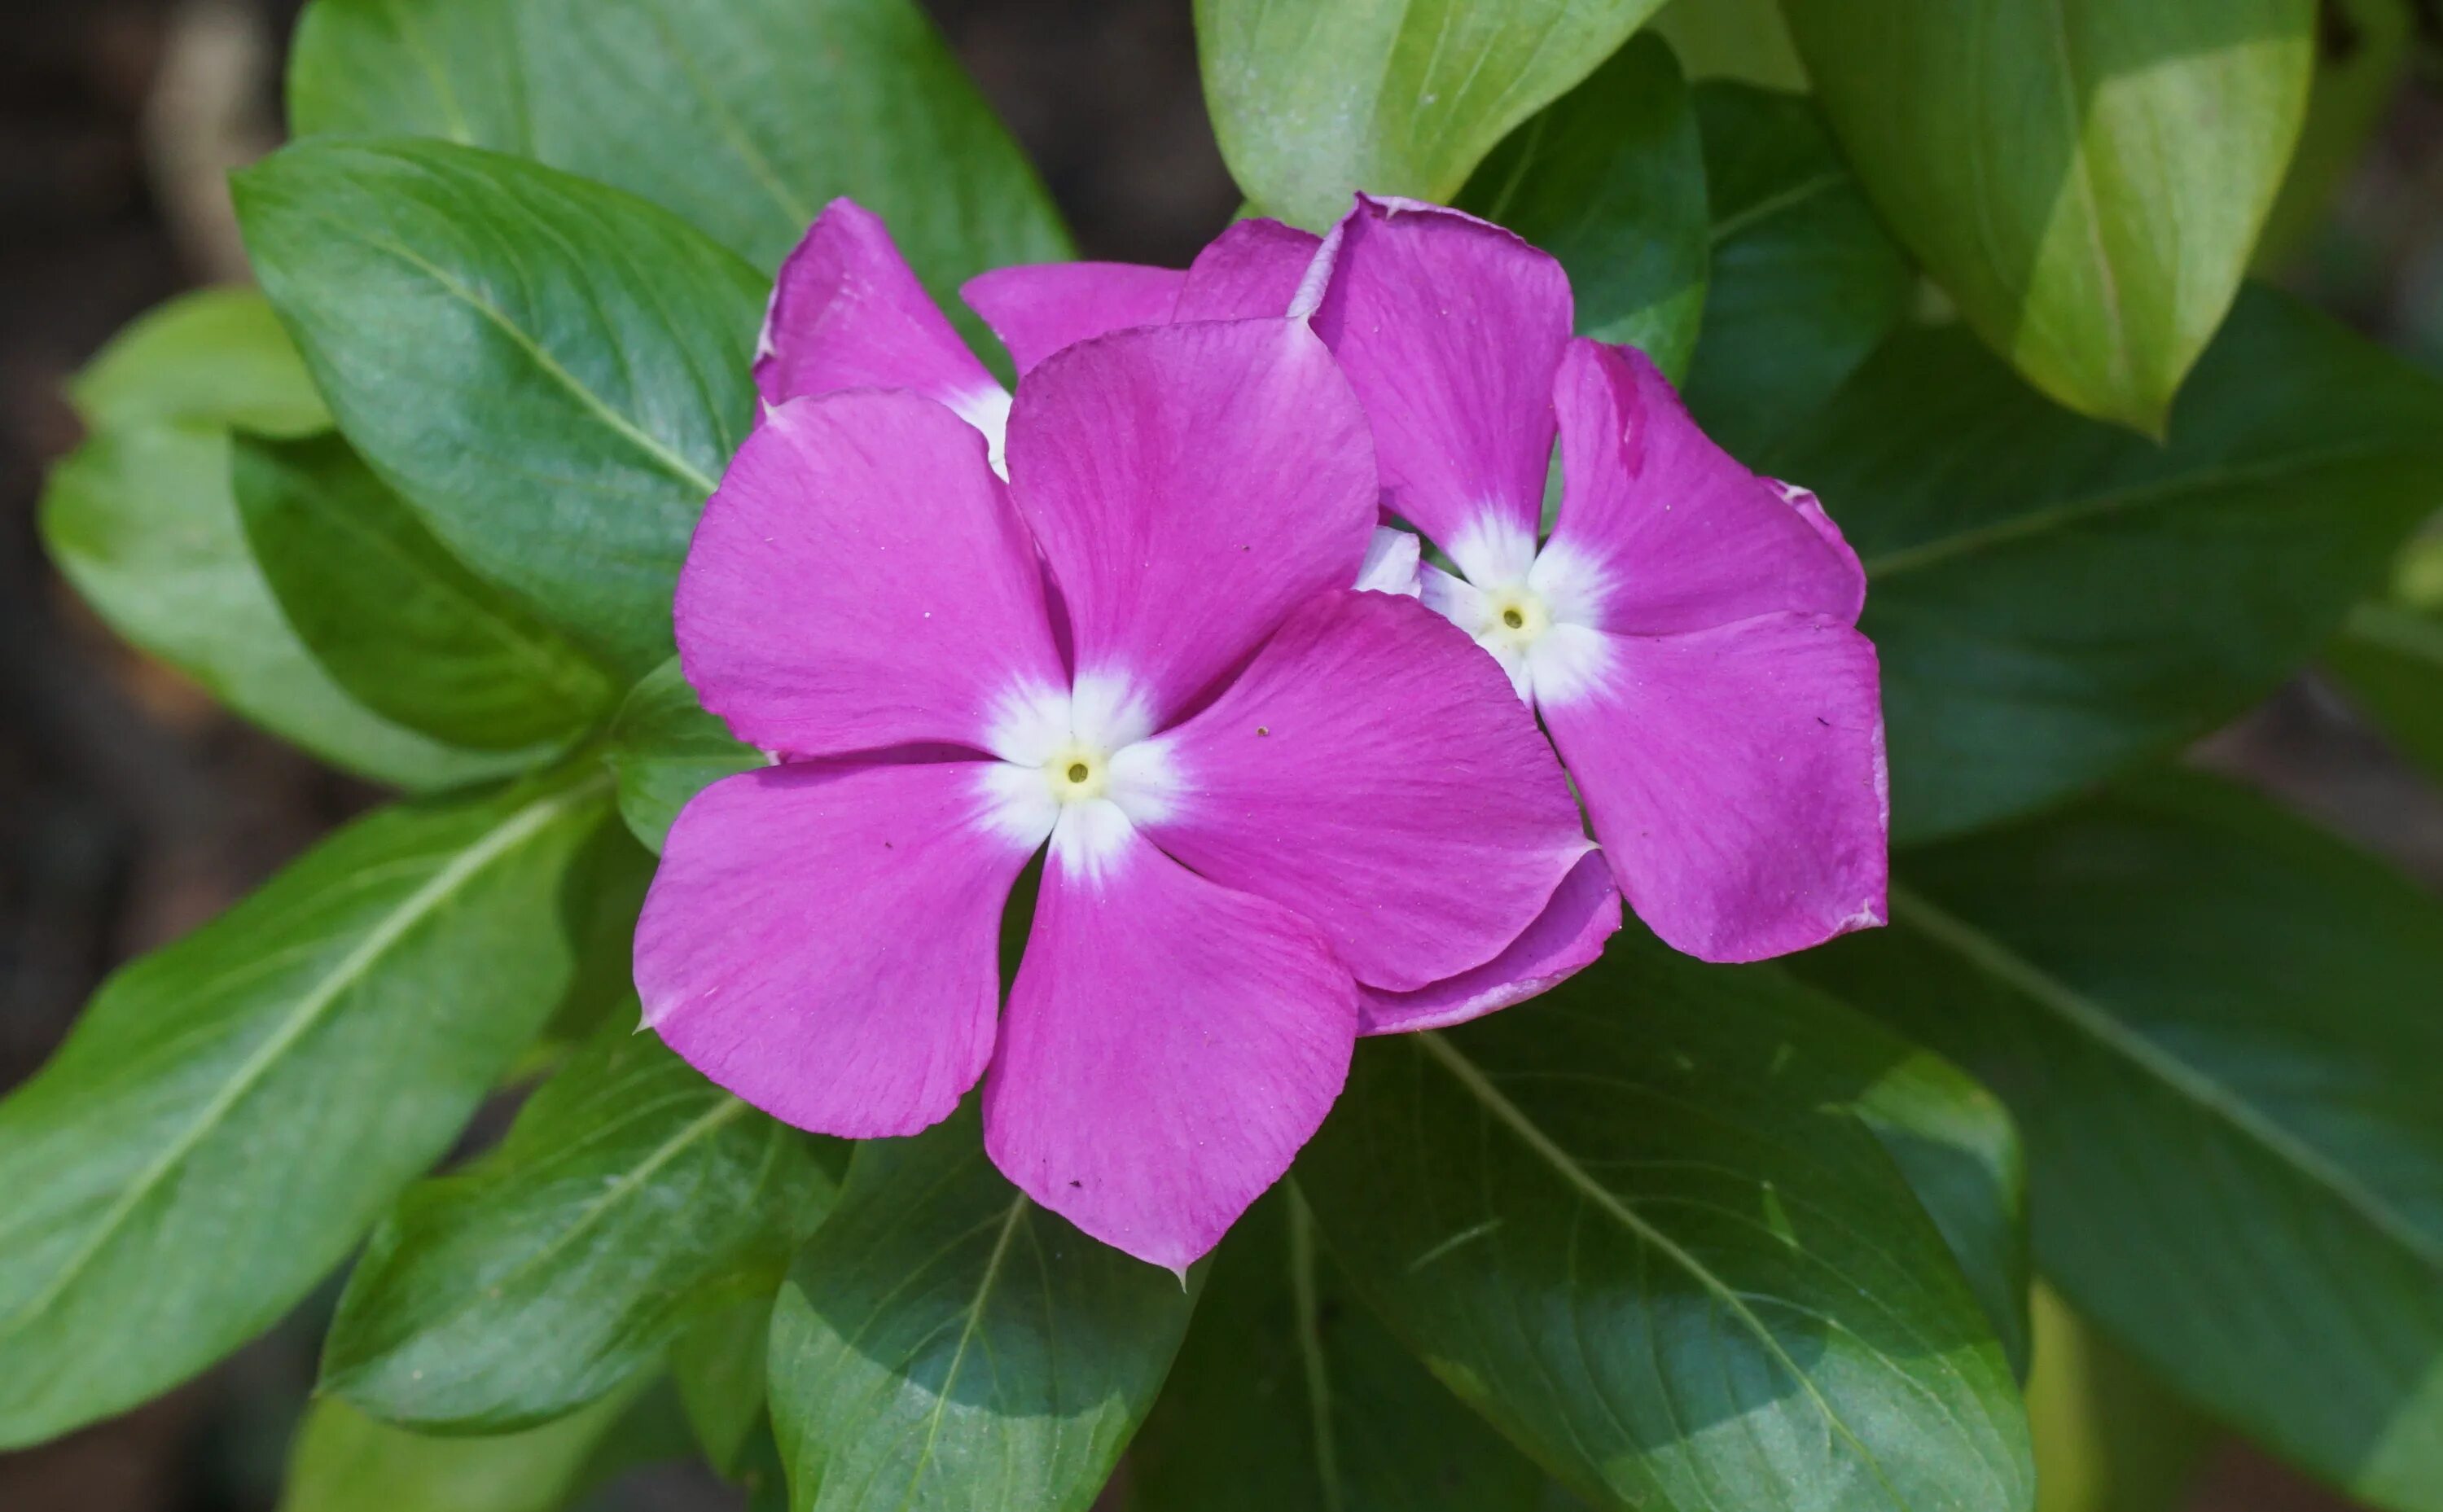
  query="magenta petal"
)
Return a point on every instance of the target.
[
  {"x": 1169, "y": 1046},
  {"x": 1253, "y": 268},
  {"x": 1736, "y": 779},
  {"x": 847, "y": 313},
  {"x": 1680, "y": 535},
  {"x": 859, "y": 581},
  {"x": 1190, "y": 483},
  {"x": 1564, "y": 940},
  {"x": 1373, "y": 770},
  {"x": 1450, "y": 329},
  {"x": 1039, "y": 308},
  {"x": 823, "y": 940}
]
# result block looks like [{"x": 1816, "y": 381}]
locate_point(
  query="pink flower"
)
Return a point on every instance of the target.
[
  {"x": 1263, "y": 792},
  {"x": 1688, "y": 629}
]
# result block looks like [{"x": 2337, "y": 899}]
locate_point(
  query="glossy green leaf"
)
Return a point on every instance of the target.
[
  {"x": 743, "y": 115},
  {"x": 944, "y": 1343},
  {"x": 1394, "y": 97},
  {"x": 630, "y": 1197},
  {"x": 397, "y": 620},
  {"x": 1745, "y": 40},
  {"x": 141, "y": 521},
  {"x": 233, "y": 1111},
  {"x": 1610, "y": 179},
  {"x": 2086, "y": 177},
  {"x": 1290, "y": 1397},
  {"x": 2055, "y": 600},
  {"x": 2389, "y": 661},
  {"x": 665, "y": 749},
  {"x": 346, "y": 1462},
  {"x": 2217, "y": 1030},
  {"x": 552, "y": 373},
  {"x": 719, "y": 1365},
  {"x": 1640, "y": 1225},
  {"x": 2362, "y": 54},
  {"x": 1805, "y": 281}
]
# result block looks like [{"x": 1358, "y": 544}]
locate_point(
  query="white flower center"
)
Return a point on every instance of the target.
[
  {"x": 1078, "y": 765},
  {"x": 1539, "y": 613}
]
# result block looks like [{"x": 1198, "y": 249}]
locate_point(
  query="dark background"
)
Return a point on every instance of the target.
[{"x": 132, "y": 808}]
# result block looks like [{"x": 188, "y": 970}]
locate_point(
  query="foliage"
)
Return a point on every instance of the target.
[{"x": 1671, "y": 1236}]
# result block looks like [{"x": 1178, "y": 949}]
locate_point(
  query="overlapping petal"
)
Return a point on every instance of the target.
[
  {"x": 847, "y": 313},
  {"x": 1169, "y": 1046},
  {"x": 1038, "y": 308},
  {"x": 822, "y": 940},
  {"x": 1370, "y": 769},
  {"x": 1735, "y": 778},
  {"x": 859, "y": 581},
  {"x": 1256, "y": 267},
  {"x": 1677, "y": 535},
  {"x": 1189, "y": 485},
  {"x": 1564, "y": 940},
  {"x": 1451, "y": 329}
]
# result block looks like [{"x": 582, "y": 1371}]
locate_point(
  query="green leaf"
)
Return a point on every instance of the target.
[
  {"x": 1806, "y": 283},
  {"x": 1741, "y": 39},
  {"x": 1610, "y": 179},
  {"x": 1393, "y": 96},
  {"x": 552, "y": 373},
  {"x": 2216, "y": 1028},
  {"x": 216, "y": 356},
  {"x": 2363, "y": 53},
  {"x": 1288, "y": 1396},
  {"x": 665, "y": 749},
  {"x": 346, "y": 1462},
  {"x": 402, "y": 624},
  {"x": 743, "y": 115},
  {"x": 140, "y": 518},
  {"x": 235, "y": 1110},
  {"x": 1638, "y": 1225},
  {"x": 2109, "y": 1436},
  {"x": 630, "y": 1197},
  {"x": 942, "y": 1342},
  {"x": 2086, "y": 177},
  {"x": 2389, "y": 661},
  {"x": 2057, "y": 600},
  {"x": 720, "y": 1364}
]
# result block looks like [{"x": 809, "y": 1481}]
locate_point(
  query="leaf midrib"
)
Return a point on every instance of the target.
[
  {"x": 958, "y": 1356},
  {"x": 309, "y": 1011},
  {"x": 1480, "y": 1086},
  {"x": 2222, "y": 1105}
]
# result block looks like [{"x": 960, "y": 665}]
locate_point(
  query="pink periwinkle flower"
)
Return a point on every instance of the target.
[
  {"x": 1262, "y": 793},
  {"x": 1688, "y": 629}
]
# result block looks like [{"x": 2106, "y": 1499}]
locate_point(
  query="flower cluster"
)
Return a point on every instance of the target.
[{"x": 1160, "y": 615}]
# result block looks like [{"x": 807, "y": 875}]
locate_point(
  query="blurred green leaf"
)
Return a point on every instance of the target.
[
  {"x": 2389, "y": 660},
  {"x": 2217, "y": 1030},
  {"x": 1610, "y": 179},
  {"x": 941, "y": 1343},
  {"x": 665, "y": 749},
  {"x": 346, "y": 1462},
  {"x": 743, "y": 115},
  {"x": 1288, "y": 1396},
  {"x": 720, "y": 1364},
  {"x": 1806, "y": 283},
  {"x": 1641, "y": 1226},
  {"x": 1394, "y": 97},
  {"x": 630, "y": 1197},
  {"x": 402, "y": 624},
  {"x": 2362, "y": 54},
  {"x": 141, "y": 521},
  {"x": 552, "y": 373},
  {"x": 2086, "y": 177},
  {"x": 2056, "y": 600},
  {"x": 1745, "y": 40},
  {"x": 2110, "y": 1437},
  {"x": 234, "y": 1111}
]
